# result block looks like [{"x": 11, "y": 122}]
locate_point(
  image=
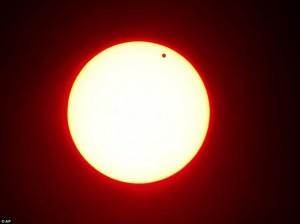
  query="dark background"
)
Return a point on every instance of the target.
[{"x": 246, "y": 169}]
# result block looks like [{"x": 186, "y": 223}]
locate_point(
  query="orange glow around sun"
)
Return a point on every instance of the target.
[{"x": 138, "y": 112}]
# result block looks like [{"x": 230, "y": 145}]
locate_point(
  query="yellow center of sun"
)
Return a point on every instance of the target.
[{"x": 138, "y": 112}]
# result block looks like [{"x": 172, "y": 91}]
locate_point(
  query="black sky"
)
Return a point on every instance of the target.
[{"x": 246, "y": 169}]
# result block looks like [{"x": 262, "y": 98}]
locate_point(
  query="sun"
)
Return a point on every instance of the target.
[{"x": 138, "y": 112}]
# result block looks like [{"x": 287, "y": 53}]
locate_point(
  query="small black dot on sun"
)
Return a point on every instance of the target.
[{"x": 163, "y": 55}]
